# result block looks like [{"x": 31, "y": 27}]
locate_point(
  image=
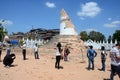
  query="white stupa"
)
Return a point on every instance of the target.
[
  {"x": 68, "y": 35},
  {"x": 66, "y": 26}
]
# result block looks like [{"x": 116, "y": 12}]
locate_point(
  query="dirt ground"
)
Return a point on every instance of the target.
[{"x": 44, "y": 68}]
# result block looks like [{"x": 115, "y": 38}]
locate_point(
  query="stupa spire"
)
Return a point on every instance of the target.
[{"x": 66, "y": 26}]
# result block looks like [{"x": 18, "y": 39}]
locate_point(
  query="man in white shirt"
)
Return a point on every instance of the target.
[
  {"x": 36, "y": 51},
  {"x": 24, "y": 50},
  {"x": 115, "y": 61}
]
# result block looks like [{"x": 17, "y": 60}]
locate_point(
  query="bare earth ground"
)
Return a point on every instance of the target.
[{"x": 44, "y": 69}]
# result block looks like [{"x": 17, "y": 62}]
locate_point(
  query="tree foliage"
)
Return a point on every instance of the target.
[
  {"x": 2, "y": 32},
  {"x": 116, "y": 36},
  {"x": 84, "y": 35},
  {"x": 93, "y": 35},
  {"x": 96, "y": 36}
]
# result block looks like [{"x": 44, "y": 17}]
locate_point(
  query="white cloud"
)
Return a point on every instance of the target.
[
  {"x": 90, "y": 9},
  {"x": 109, "y": 19},
  {"x": 6, "y": 22},
  {"x": 50, "y": 5},
  {"x": 82, "y": 18},
  {"x": 112, "y": 24}
]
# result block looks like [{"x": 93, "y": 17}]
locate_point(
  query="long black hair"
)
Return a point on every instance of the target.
[{"x": 59, "y": 46}]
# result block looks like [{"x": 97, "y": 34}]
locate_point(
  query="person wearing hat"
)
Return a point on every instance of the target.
[{"x": 115, "y": 61}]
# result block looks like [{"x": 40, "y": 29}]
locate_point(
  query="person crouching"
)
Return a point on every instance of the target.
[{"x": 9, "y": 59}]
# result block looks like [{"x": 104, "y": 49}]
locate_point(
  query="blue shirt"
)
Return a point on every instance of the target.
[{"x": 91, "y": 54}]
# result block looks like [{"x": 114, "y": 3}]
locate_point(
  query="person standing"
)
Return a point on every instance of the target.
[
  {"x": 1, "y": 46},
  {"x": 36, "y": 51},
  {"x": 115, "y": 61},
  {"x": 24, "y": 50},
  {"x": 66, "y": 53},
  {"x": 8, "y": 48},
  {"x": 103, "y": 58},
  {"x": 58, "y": 55},
  {"x": 91, "y": 54}
]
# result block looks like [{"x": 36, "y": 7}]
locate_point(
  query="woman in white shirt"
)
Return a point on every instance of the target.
[{"x": 58, "y": 55}]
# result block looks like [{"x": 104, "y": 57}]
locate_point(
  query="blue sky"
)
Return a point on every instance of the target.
[{"x": 99, "y": 15}]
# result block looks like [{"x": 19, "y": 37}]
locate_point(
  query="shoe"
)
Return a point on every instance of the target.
[
  {"x": 56, "y": 67},
  {"x": 102, "y": 69},
  {"x": 92, "y": 68}
]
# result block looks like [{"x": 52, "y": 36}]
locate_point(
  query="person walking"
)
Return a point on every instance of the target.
[
  {"x": 115, "y": 61},
  {"x": 58, "y": 55},
  {"x": 103, "y": 58},
  {"x": 36, "y": 51},
  {"x": 91, "y": 54}
]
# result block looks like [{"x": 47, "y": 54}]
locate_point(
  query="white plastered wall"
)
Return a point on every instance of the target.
[{"x": 66, "y": 31}]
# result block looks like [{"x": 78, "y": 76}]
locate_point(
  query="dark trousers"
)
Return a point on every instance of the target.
[
  {"x": 24, "y": 54},
  {"x": 57, "y": 63},
  {"x": 91, "y": 61},
  {"x": 8, "y": 51},
  {"x": 36, "y": 55},
  {"x": 103, "y": 64},
  {"x": 114, "y": 70},
  {"x": 0, "y": 54}
]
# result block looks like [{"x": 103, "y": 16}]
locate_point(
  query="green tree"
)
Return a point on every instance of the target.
[
  {"x": 96, "y": 36},
  {"x": 2, "y": 32},
  {"x": 116, "y": 36},
  {"x": 109, "y": 39},
  {"x": 92, "y": 35},
  {"x": 84, "y": 35}
]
